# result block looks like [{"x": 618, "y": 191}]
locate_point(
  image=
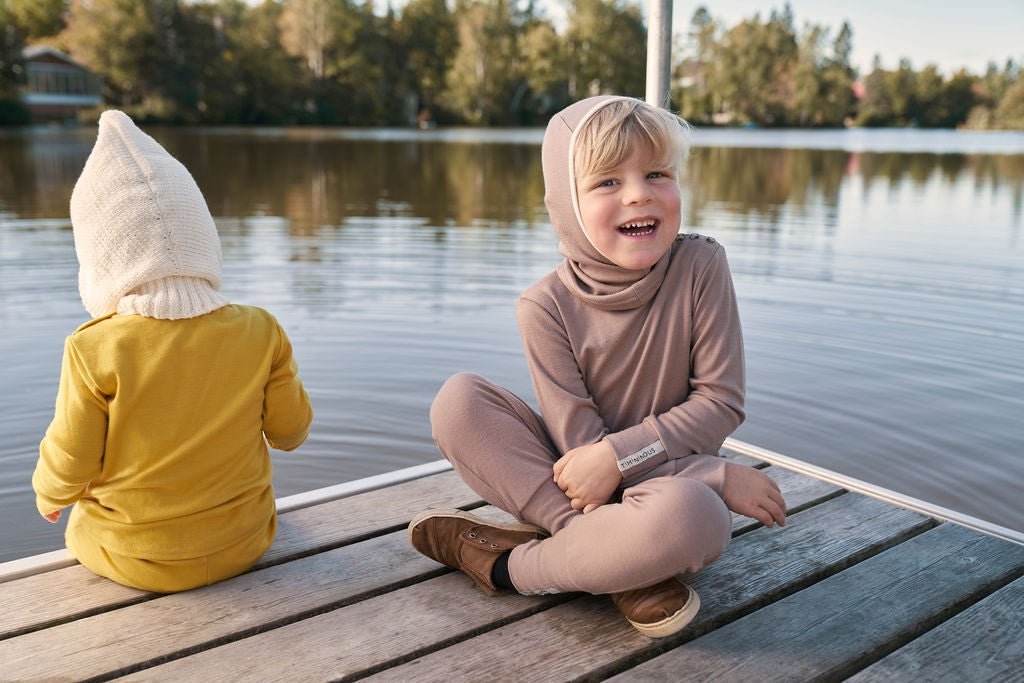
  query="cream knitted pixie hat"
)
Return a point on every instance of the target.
[{"x": 145, "y": 240}]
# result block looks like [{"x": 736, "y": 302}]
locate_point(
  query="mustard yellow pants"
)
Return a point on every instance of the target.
[{"x": 169, "y": 576}]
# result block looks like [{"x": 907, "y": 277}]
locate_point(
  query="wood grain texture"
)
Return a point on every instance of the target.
[
  {"x": 357, "y": 637},
  {"x": 737, "y": 457},
  {"x": 983, "y": 643},
  {"x": 346, "y": 596},
  {"x": 159, "y": 628},
  {"x": 74, "y": 592},
  {"x": 799, "y": 491},
  {"x": 586, "y": 636},
  {"x": 369, "y": 634},
  {"x": 834, "y": 627},
  {"x": 341, "y": 521},
  {"x": 418, "y": 627}
]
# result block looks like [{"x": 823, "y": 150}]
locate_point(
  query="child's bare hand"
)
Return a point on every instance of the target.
[
  {"x": 753, "y": 493},
  {"x": 52, "y": 517},
  {"x": 588, "y": 475}
]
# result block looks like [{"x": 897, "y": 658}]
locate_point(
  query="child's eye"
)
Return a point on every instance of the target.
[
  {"x": 658, "y": 174},
  {"x": 606, "y": 183}
]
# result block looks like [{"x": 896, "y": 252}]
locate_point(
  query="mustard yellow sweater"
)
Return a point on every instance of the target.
[{"x": 158, "y": 433}]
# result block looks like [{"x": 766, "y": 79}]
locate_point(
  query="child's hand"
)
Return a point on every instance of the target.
[
  {"x": 588, "y": 475},
  {"x": 52, "y": 517},
  {"x": 753, "y": 493}
]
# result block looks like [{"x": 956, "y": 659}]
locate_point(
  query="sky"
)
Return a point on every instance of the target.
[
  {"x": 950, "y": 34},
  {"x": 965, "y": 33}
]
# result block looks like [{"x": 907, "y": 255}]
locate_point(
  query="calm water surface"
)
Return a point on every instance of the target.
[{"x": 880, "y": 277}]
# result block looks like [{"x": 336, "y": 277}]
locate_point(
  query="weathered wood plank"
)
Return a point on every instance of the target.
[
  {"x": 588, "y": 636},
  {"x": 737, "y": 457},
  {"x": 75, "y": 592},
  {"x": 834, "y": 627},
  {"x": 983, "y": 643},
  {"x": 799, "y": 491},
  {"x": 341, "y": 521},
  {"x": 350, "y": 619},
  {"x": 161, "y": 628},
  {"x": 356, "y": 638}
]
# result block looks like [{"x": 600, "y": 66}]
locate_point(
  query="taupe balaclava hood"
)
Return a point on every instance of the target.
[
  {"x": 585, "y": 271},
  {"x": 145, "y": 239}
]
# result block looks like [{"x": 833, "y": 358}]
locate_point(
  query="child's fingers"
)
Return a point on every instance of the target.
[
  {"x": 763, "y": 516},
  {"x": 776, "y": 497},
  {"x": 560, "y": 465},
  {"x": 776, "y": 512},
  {"x": 53, "y": 517}
]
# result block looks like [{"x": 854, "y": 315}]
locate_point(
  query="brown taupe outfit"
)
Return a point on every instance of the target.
[{"x": 652, "y": 362}]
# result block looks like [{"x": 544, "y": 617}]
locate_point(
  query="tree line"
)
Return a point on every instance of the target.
[{"x": 480, "y": 62}]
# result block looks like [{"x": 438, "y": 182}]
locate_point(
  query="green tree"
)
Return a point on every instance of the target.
[
  {"x": 12, "y": 41},
  {"x": 838, "y": 76},
  {"x": 606, "y": 45},
  {"x": 1010, "y": 111},
  {"x": 37, "y": 18},
  {"x": 956, "y": 100},
  {"x": 755, "y": 69},
  {"x": 807, "y": 78},
  {"x": 376, "y": 72},
  {"x": 545, "y": 67},
  {"x": 305, "y": 27},
  {"x": 426, "y": 33},
  {"x": 694, "y": 96},
  {"x": 485, "y": 73},
  {"x": 903, "y": 89},
  {"x": 926, "y": 101},
  {"x": 244, "y": 74},
  {"x": 876, "y": 107},
  {"x": 348, "y": 55},
  {"x": 136, "y": 47}
]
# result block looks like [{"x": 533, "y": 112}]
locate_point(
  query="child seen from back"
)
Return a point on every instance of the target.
[
  {"x": 635, "y": 351},
  {"x": 167, "y": 399}
]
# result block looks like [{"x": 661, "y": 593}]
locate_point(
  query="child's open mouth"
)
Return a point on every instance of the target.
[{"x": 644, "y": 228}]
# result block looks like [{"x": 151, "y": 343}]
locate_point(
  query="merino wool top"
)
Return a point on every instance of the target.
[
  {"x": 651, "y": 361},
  {"x": 158, "y": 432}
]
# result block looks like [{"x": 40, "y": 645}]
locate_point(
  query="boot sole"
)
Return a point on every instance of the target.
[
  {"x": 462, "y": 514},
  {"x": 673, "y": 624}
]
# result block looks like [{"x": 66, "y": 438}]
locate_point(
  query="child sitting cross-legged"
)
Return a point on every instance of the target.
[{"x": 636, "y": 355}]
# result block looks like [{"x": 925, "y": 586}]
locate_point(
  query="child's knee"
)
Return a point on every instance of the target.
[
  {"x": 688, "y": 524},
  {"x": 455, "y": 402}
]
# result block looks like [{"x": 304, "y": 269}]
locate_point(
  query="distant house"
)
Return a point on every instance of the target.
[{"x": 57, "y": 87}]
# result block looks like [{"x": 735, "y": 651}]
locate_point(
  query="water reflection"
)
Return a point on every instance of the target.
[
  {"x": 882, "y": 294},
  {"x": 319, "y": 182}
]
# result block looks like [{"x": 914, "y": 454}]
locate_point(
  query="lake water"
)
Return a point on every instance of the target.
[{"x": 880, "y": 276}]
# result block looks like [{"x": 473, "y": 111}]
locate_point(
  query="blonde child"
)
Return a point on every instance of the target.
[
  {"x": 635, "y": 351},
  {"x": 166, "y": 396}
]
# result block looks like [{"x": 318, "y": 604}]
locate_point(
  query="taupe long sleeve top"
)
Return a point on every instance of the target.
[
  {"x": 660, "y": 381},
  {"x": 651, "y": 360}
]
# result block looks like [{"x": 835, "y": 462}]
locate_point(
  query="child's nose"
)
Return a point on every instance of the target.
[{"x": 637, "y": 193}]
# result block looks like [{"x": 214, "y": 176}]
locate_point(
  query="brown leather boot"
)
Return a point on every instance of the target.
[
  {"x": 659, "y": 610},
  {"x": 461, "y": 541}
]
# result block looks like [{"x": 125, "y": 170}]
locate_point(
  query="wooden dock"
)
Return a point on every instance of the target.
[{"x": 852, "y": 588}]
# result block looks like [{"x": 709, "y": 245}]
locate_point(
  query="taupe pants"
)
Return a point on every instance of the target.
[{"x": 667, "y": 523}]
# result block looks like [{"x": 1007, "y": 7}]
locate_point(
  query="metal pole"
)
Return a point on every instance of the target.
[{"x": 659, "y": 51}]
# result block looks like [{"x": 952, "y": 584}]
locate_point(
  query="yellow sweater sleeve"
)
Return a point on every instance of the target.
[
  {"x": 287, "y": 413},
  {"x": 71, "y": 453}
]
